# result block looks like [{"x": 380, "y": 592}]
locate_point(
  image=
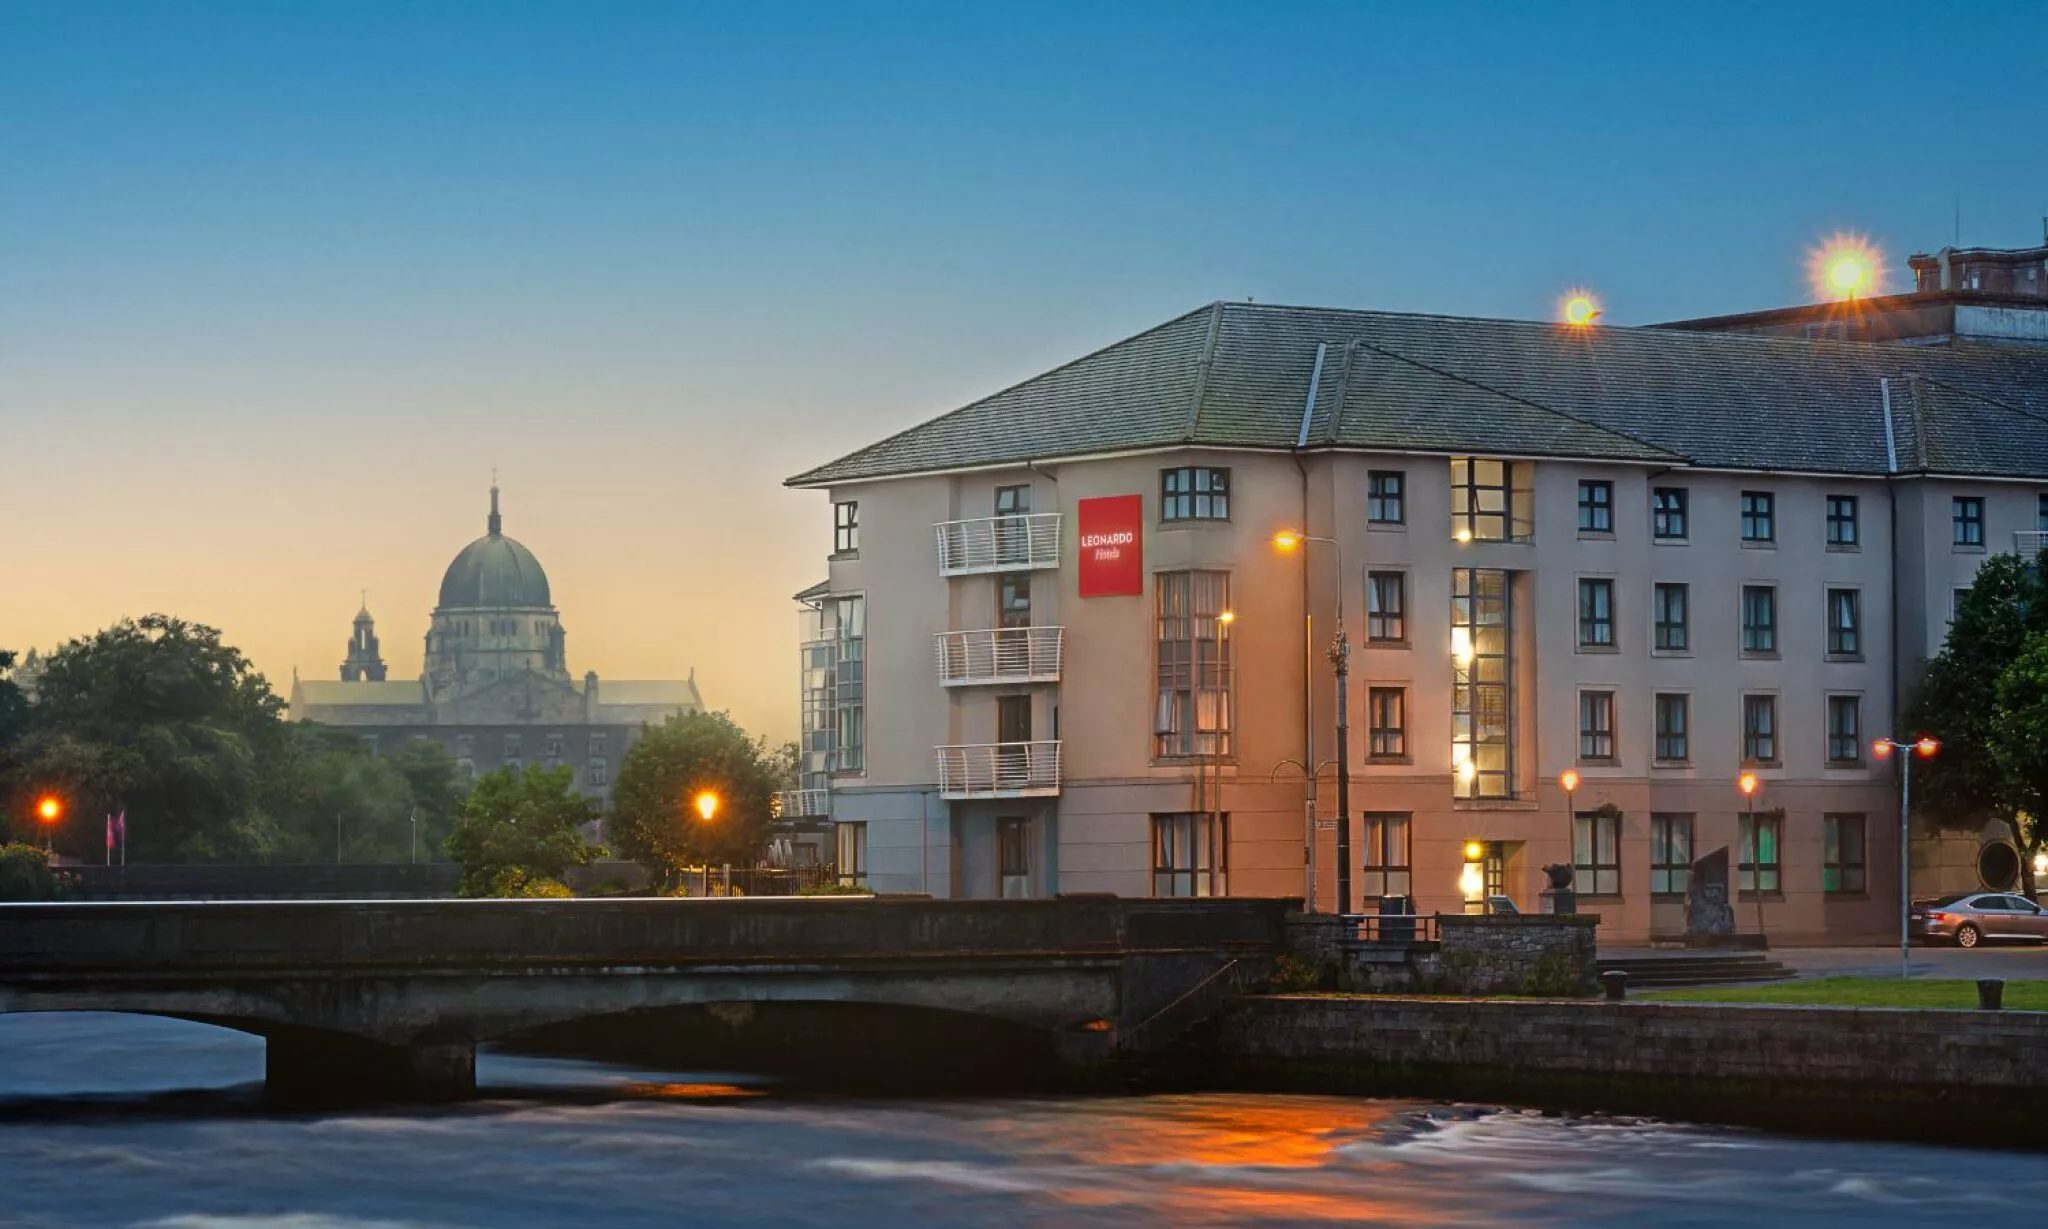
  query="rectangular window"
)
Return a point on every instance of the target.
[
  {"x": 849, "y": 683},
  {"x": 1673, "y": 713},
  {"x": 2041, "y": 512},
  {"x": 511, "y": 746},
  {"x": 1596, "y": 853},
  {"x": 1386, "y": 617},
  {"x": 1759, "y": 729},
  {"x": 1482, "y": 691},
  {"x": 1189, "y": 854},
  {"x": 1012, "y": 533},
  {"x": 598, "y": 771},
  {"x": 1194, "y": 493},
  {"x": 1387, "y": 715},
  {"x": 1842, "y": 854},
  {"x": 1956, "y": 598},
  {"x": 1387, "y": 854},
  {"x": 1969, "y": 520},
  {"x": 1759, "y": 516},
  {"x": 1758, "y": 869},
  {"x": 1759, "y": 619},
  {"x": 1013, "y": 599},
  {"x": 1845, "y": 620},
  {"x": 1193, "y": 655},
  {"x": 1845, "y": 729},
  {"x": 552, "y": 749},
  {"x": 1596, "y": 725},
  {"x": 1668, "y": 513},
  {"x": 1013, "y": 857},
  {"x": 1842, "y": 520},
  {"x": 1013, "y": 501},
  {"x": 465, "y": 745},
  {"x": 1596, "y": 506},
  {"x": 1670, "y": 854},
  {"x": 1673, "y": 629},
  {"x": 1386, "y": 497},
  {"x": 597, "y": 744},
  {"x": 1486, "y": 503},
  {"x": 1596, "y": 613},
  {"x": 846, "y": 528},
  {"x": 851, "y": 858}
]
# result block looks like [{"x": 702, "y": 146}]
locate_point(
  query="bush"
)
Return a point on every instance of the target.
[
  {"x": 25, "y": 874},
  {"x": 834, "y": 889},
  {"x": 517, "y": 881}
]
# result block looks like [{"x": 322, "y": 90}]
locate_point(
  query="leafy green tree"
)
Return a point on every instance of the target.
[
  {"x": 655, "y": 820},
  {"x": 1966, "y": 785},
  {"x": 25, "y": 874},
  {"x": 2019, "y": 746},
  {"x": 13, "y": 708},
  {"x": 521, "y": 827},
  {"x": 435, "y": 791}
]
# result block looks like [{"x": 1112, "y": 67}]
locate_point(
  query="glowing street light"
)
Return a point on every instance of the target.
[
  {"x": 49, "y": 809},
  {"x": 1844, "y": 267},
  {"x": 1749, "y": 784},
  {"x": 1924, "y": 747},
  {"x": 1579, "y": 308},
  {"x": 706, "y": 803}
]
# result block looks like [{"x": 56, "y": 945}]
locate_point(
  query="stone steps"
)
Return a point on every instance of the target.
[{"x": 1645, "y": 972}]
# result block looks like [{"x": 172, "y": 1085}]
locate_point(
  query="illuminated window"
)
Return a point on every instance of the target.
[
  {"x": 1670, "y": 854},
  {"x": 1388, "y": 854},
  {"x": 1596, "y": 614},
  {"x": 851, "y": 856},
  {"x": 1596, "y": 725},
  {"x": 1968, "y": 518},
  {"x": 1668, "y": 513},
  {"x": 1758, "y": 869},
  {"x": 1672, "y": 622},
  {"x": 1387, "y": 720},
  {"x": 1842, "y": 520},
  {"x": 1845, "y": 730},
  {"x": 1193, "y": 657},
  {"x": 1672, "y": 714},
  {"x": 1759, "y": 516},
  {"x": 1193, "y": 493},
  {"x": 1596, "y": 506},
  {"x": 1842, "y": 854},
  {"x": 1490, "y": 501},
  {"x": 846, "y": 528},
  {"x": 1759, "y": 619},
  {"x": 1386, "y": 497},
  {"x": 1845, "y": 621},
  {"x": 1190, "y": 854},
  {"x": 1596, "y": 853},
  {"x": 1482, "y": 693},
  {"x": 1386, "y": 606}
]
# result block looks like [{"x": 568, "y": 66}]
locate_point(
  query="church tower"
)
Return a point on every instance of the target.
[{"x": 363, "y": 664}]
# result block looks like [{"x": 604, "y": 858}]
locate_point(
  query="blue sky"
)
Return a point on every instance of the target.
[{"x": 281, "y": 282}]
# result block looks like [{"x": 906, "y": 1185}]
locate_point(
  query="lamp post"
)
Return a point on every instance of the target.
[
  {"x": 1748, "y": 784},
  {"x": 49, "y": 809},
  {"x": 1340, "y": 660},
  {"x": 1215, "y": 797},
  {"x": 706, "y": 803},
  {"x": 1568, "y": 781},
  {"x": 1925, "y": 749}
]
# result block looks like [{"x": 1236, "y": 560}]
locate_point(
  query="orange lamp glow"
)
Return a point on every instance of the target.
[
  {"x": 1227, "y": 617},
  {"x": 1473, "y": 851},
  {"x": 1286, "y": 539},
  {"x": 1570, "y": 780},
  {"x": 707, "y": 805},
  {"x": 1844, "y": 266},
  {"x": 1746, "y": 783},
  {"x": 1579, "y": 308},
  {"x": 1926, "y": 747},
  {"x": 1882, "y": 748},
  {"x": 49, "y": 809}
]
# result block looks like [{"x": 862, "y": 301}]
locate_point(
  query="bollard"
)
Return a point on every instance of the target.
[
  {"x": 1616, "y": 983},
  {"x": 1990, "y": 994}
]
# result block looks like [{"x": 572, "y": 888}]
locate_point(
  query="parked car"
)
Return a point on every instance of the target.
[{"x": 1977, "y": 917}]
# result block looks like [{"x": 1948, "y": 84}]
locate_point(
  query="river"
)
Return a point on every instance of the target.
[{"x": 126, "y": 1121}]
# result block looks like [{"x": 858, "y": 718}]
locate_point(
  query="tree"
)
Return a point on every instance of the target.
[
  {"x": 1965, "y": 785},
  {"x": 654, "y": 816},
  {"x": 25, "y": 874},
  {"x": 2019, "y": 747},
  {"x": 436, "y": 793},
  {"x": 13, "y": 708},
  {"x": 521, "y": 828}
]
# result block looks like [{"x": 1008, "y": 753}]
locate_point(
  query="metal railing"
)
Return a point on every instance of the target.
[
  {"x": 998, "y": 655},
  {"x": 1395, "y": 929},
  {"x": 998, "y": 544},
  {"x": 2030, "y": 542},
  {"x": 999, "y": 770},
  {"x": 1196, "y": 1004},
  {"x": 803, "y": 804}
]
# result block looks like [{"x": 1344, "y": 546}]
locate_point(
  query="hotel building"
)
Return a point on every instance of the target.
[{"x": 1059, "y": 651}]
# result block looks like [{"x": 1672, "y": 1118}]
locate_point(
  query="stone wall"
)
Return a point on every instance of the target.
[{"x": 1528, "y": 954}]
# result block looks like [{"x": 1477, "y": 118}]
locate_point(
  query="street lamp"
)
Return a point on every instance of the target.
[
  {"x": 1214, "y": 752},
  {"x": 1925, "y": 748},
  {"x": 1340, "y": 660},
  {"x": 706, "y": 803},
  {"x": 1568, "y": 780},
  {"x": 1749, "y": 784},
  {"x": 49, "y": 809}
]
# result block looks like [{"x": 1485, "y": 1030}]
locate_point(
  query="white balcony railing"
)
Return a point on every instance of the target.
[
  {"x": 998, "y": 655},
  {"x": 999, "y": 770},
  {"x": 998, "y": 544},
  {"x": 804, "y": 804},
  {"x": 2030, "y": 542}
]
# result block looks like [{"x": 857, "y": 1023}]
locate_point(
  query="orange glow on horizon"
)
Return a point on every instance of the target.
[{"x": 1845, "y": 266}]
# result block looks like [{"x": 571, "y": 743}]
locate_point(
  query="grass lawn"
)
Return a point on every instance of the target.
[{"x": 1859, "y": 992}]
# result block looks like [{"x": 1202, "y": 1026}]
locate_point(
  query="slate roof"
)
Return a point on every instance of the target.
[
  {"x": 337, "y": 693},
  {"x": 1238, "y": 375}
]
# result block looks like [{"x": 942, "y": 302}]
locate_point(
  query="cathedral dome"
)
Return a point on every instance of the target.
[{"x": 494, "y": 570}]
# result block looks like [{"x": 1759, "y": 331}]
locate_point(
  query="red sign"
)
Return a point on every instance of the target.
[{"x": 1112, "y": 546}]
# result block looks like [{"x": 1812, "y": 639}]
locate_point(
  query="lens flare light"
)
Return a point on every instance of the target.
[
  {"x": 1845, "y": 266},
  {"x": 1578, "y": 308}
]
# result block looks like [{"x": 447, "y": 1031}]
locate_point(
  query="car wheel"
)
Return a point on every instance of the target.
[{"x": 1967, "y": 935}]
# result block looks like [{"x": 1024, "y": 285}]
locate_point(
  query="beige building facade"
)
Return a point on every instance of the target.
[{"x": 1656, "y": 561}]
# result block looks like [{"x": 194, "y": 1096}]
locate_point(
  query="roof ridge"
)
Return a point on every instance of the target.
[
  {"x": 2022, "y": 411},
  {"x": 1202, "y": 367}
]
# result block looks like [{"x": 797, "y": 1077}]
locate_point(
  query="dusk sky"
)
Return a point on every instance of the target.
[{"x": 281, "y": 283}]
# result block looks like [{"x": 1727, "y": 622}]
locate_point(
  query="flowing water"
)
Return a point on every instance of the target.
[{"x": 121, "y": 1121}]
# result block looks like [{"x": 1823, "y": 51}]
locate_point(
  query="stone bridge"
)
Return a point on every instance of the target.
[{"x": 391, "y": 998}]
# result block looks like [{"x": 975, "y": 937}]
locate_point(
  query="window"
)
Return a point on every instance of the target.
[
  {"x": 1969, "y": 520},
  {"x": 1845, "y": 618},
  {"x": 1758, "y": 869},
  {"x": 851, "y": 860},
  {"x": 1842, "y": 520},
  {"x": 1673, "y": 630},
  {"x": 1013, "y": 501},
  {"x": 1386, "y": 492},
  {"x": 1760, "y": 729},
  {"x": 1845, "y": 729},
  {"x": 1672, "y": 720},
  {"x": 465, "y": 745},
  {"x": 849, "y": 683},
  {"x": 597, "y": 744},
  {"x": 1956, "y": 598},
  {"x": 466, "y": 769},
  {"x": 1596, "y": 506},
  {"x": 1596, "y": 853},
  {"x": 1193, "y": 651},
  {"x": 1013, "y": 857},
  {"x": 1486, "y": 504},
  {"x": 1670, "y": 854},
  {"x": 598, "y": 771},
  {"x": 511, "y": 746},
  {"x": 1667, "y": 513},
  {"x": 1387, "y": 855},
  {"x": 1193, "y": 493},
  {"x": 552, "y": 749},
  {"x": 1189, "y": 854},
  {"x": 1759, "y": 619},
  {"x": 1596, "y": 725},
  {"x": 846, "y": 528},
  {"x": 1013, "y": 599},
  {"x": 1387, "y": 715},
  {"x": 1482, "y": 691},
  {"x": 1011, "y": 532},
  {"x": 1842, "y": 857},
  {"x": 1759, "y": 516},
  {"x": 1596, "y": 613},
  {"x": 1386, "y": 606},
  {"x": 2041, "y": 512}
]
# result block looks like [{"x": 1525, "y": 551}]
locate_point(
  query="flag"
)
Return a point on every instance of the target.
[
  {"x": 110, "y": 832},
  {"x": 121, "y": 826}
]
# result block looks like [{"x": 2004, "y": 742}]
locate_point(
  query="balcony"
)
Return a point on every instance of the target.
[
  {"x": 999, "y": 770},
  {"x": 803, "y": 804},
  {"x": 998, "y": 655},
  {"x": 2030, "y": 542},
  {"x": 998, "y": 544}
]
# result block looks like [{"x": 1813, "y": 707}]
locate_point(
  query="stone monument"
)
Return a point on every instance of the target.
[{"x": 1709, "y": 910}]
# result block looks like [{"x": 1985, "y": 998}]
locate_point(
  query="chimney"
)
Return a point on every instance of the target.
[{"x": 590, "y": 698}]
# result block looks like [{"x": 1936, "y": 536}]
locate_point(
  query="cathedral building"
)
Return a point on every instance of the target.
[{"x": 495, "y": 688}]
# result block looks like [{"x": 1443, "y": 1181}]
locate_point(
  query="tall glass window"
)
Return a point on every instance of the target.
[
  {"x": 1672, "y": 714},
  {"x": 846, "y": 528},
  {"x": 1482, "y": 691},
  {"x": 1758, "y": 869},
  {"x": 1488, "y": 503},
  {"x": 1670, "y": 854},
  {"x": 1842, "y": 854},
  {"x": 1193, "y": 714},
  {"x": 1596, "y": 853},
  {"x": 1387, "y": 718},
  {"x": 849, "y": 690},
  {"x": 1845, "y": 729},
  {"x": 1596, "y": 725},
  {"x": 1760, "y": 729},
  {"x": 1845, "y": 620},
  {"x": 1673, "y": 631},
  {"x": 851, "y": 861},
  {"x": 1596, "y": 613},
  {"x": 1387, "y": 858},
  {"x": 1386, "y": 606},
  {"x": 1759, "y": 619}
]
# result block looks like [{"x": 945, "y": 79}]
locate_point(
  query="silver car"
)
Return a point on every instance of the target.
[{"x": 1978, "y": 917}]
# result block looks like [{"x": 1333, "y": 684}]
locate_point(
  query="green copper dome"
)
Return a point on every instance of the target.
[{"x": 494, "y": 570}]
